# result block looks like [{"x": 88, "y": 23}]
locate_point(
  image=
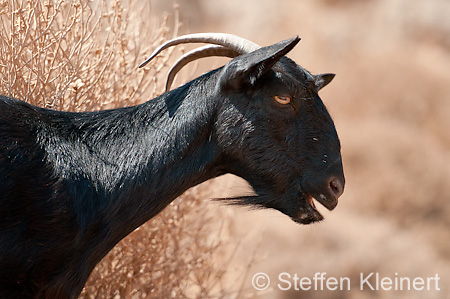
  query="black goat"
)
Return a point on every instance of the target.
[{"x": 72, "y": 185}]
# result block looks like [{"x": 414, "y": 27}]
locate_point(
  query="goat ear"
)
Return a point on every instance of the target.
[
  {"x": 322, "y": 80},
  {"x": 244, "y": 70}
]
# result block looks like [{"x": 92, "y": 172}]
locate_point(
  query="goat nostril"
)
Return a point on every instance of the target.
[{"x": 336, "y": 186}]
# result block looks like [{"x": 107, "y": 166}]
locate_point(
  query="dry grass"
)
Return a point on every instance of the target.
[{"x": 82, "y": 55}]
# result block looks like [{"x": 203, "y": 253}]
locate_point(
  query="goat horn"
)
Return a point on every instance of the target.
[
  {"x": 205, "y": 51},
  {"x": 236, "y": 43}
]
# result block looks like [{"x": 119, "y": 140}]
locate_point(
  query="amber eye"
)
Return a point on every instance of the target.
[{"x": 283, "y": 100}]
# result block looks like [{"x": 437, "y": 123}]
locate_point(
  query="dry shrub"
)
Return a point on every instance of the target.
[
  {"x": 77, "y": 55},
  {"x": 83, "y": 55}
]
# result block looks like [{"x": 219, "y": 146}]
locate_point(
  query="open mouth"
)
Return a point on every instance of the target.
[
  {"x": 312, "y": 209},
  {"x": 330, "y": 204},
  {"x": 309, "y": 213},
  {"x": 311, "y": 202}
]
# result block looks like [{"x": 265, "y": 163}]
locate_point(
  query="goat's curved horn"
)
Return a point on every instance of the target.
[
  {"x": 236, "y": 43},
  {"x": 205, "y": 51}
]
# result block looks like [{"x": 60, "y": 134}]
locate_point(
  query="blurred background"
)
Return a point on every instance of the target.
[{"x": 390, "y": 102}]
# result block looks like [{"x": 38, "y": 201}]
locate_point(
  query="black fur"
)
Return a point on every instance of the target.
[{"x": 72, "y": 185}]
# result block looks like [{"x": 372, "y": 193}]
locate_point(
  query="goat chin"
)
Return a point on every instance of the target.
[{"x": 300, "y": 207}]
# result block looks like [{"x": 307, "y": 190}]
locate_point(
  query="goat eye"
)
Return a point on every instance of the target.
[{"x": 283, "y": 100}]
